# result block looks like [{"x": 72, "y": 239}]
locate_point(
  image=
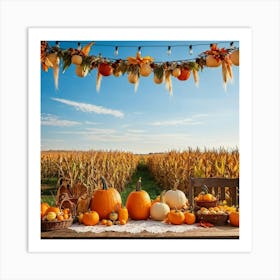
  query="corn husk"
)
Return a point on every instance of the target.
[
  {"x": 55, "y": 75},
  {"x": 229, "y": 71},
  {"x": 224, "y": 74},
  {"x": 195, "y": 77},
  {"x": 168, "y": 82},
  {"x": 98, "y": 81}
]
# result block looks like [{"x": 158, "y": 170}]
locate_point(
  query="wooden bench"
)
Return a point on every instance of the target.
[{"x": 216, "y": 186}]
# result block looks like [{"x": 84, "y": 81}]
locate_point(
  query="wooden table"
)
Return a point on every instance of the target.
[{"x": 217, "y": 232}]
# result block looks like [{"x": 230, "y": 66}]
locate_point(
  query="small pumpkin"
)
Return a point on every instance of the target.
[
  {"x": 159, "y": 210},
  {"x": 185, "y": 74},
  {"x": 138, "y": 203},
  {"x": 189, "y": 217},
  {"x": 105, "y": 69},
  {"x": 113, "y": 216},
  {"x": 105, "y": 200},
  {"x": 234, "y": 218},
  {"x": 176, "y": 217},
  {"x": 90, "y": 218},
  {"x": 123, "y": 214},
  {"x": 175, "y": 198},
  {"x": 51, "y": 216}
]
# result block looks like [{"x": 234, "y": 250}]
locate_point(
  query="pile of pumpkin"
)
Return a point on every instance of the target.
[
  {"x": 106, "y": 207},
  {"x": 52, "y": 213},
  {"x": 207, "y": 205}
]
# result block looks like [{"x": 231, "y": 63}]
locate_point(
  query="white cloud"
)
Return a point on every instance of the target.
[
  {"x": 52, "y": 120},
  {"x": 136, "y": 130},
  {"x": 90, "y": 108},
  {"x": 187, "y": 121}
]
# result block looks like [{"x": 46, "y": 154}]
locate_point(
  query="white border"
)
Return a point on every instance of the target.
[{"x": 243, "y": 244}]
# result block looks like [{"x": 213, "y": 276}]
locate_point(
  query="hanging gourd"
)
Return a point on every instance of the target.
[
  {"x": 138, "y": 203},
  {"x": 213, "y": 56},
  {"x": 176, "y": 72},
  {"x": 159, "y": 74},
  {"x": 145, "y": 69},
  {"x": 234, "y": 57},
  {"x": 105, "y": 69},
  {"x": 105, "y": 200},
  {"x": 185, "y": 74},
  {"x": 81, "y": 71}
]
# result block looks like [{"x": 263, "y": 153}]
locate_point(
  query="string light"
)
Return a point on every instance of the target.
[
  {"x": 169, "y": 50},
  {"x": 139, "y": 50},
  {"x": 116, "y": 51},
  {"x": 79, "y": 46},
  {"x": 57, "y": 44},
  {"x": 190, "y": 50}
]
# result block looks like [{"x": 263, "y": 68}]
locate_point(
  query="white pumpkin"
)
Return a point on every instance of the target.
[
  {"x": 159, "y": 211},
  {"x": 76, "y": 59},
  {"x": 235, "y": 57},
  {"x": 175, "y": 199},
  {"x": 211, "y": 61}
]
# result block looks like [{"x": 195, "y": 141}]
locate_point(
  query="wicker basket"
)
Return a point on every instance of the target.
[
  {"x": 207, "y": 204},
  {"x": 215, "y": 219},
  {"x": 56, "y": 225}
]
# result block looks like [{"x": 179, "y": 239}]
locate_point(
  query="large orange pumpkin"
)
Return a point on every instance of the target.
[
  {"x": 138, "y": 203},
  {"x": 105, "y": 200}
]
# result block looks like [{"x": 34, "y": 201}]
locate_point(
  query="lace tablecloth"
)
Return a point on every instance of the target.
[{"x": 136, "y": 227}]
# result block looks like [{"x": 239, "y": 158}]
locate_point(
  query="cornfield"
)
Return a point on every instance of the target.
[
  {"x": 173, "y": 169},
  {"x": 88, "y": 167}
]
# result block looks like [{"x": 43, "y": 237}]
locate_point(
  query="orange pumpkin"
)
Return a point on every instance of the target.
[
  {"x": 176, "y": 217},
  {"x": 90, "y": 218},
  {"x": 105, "y": 200},
  {"x": 138, "y": 203},
  {"x": 234, "y": 218},
  {"x": 123, "y": 214},
  {"x": 189, "y": 218}
]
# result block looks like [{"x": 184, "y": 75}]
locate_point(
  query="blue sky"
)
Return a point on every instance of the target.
[{"x": 77, "y": 117}]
